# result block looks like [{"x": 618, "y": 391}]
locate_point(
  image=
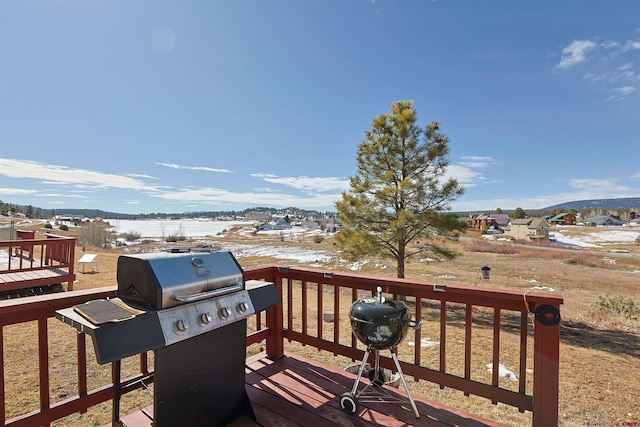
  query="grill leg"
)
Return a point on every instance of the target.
[
  {"x": 361, "y": 370},
  {"x": 404, "y": 382}
]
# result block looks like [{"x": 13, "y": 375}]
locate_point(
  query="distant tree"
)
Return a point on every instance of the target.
[
  {"x": 498, "y": 210},
  {"x": 519, "y": 213},
  {"x": 399, "y": 191}
]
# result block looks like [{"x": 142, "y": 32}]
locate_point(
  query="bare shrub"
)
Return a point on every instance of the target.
[
  {"x": 318, "y": 238},
  {"x": 483, "y": 246},
  {"x": 131, "y": 236},
  {"x": 173, "y": 238},
  {"x": 589, "y": 261},
  {"x": 617, "y": 306},
  {"x": 97, "y": 234}
]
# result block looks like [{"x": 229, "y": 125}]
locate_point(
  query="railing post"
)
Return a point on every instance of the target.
[
  {"x": 546, "y": 376},
  {"x": 275, "y": 321}
]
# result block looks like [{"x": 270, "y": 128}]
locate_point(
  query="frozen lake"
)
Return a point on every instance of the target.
[{"x": 185, "y": 227}]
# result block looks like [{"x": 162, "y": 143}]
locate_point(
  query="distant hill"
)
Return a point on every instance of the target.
[
  {"x": 580, "y": 205},
  {"x": 96, "y": 213}
]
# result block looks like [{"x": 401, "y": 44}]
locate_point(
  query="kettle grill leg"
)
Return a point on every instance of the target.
[
  {"x": 404, "y": 382},
  {"x": 361, "y": 370}
]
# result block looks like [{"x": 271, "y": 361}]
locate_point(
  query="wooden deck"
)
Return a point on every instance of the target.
[
  {"x": 36, "y": 263},
  {"x": 296, "y": 391}
]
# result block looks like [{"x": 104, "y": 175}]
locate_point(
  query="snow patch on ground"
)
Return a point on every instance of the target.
[{"x": 502, "y": 371}]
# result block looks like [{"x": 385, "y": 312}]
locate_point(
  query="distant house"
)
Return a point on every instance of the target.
[
  {"x": 502, "y": 220},
  {"x": 482, "y": 221},
  {"x": 265, "y": 226},
  {"x": 563, "y": 219},
  {"x": 604, "y": 220},
  {"x": 489, "y": 221},
  {"x": 528, "y": 229},
  {"x": 309, "y": 225}
]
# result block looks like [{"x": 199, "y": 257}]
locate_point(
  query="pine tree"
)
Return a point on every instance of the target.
[{"x": 399, "y": 193}]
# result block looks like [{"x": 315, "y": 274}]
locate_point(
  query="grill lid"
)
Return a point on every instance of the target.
[
  {"x": 162, "y": 280},
  {"x": 380, "y": 323}
]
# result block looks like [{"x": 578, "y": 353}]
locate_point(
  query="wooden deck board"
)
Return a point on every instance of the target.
[{"x": 295, "y": 391}]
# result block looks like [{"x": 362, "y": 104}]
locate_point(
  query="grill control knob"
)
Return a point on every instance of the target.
[
  {"x": 204, "y": 319},
  {"x": 181, "y": 325},
  {"x": 225, "y": 312},
  {"x": 242, "y": 307}
]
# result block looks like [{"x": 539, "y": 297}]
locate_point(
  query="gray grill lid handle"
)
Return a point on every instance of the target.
[{"x": 238, "y": 286}]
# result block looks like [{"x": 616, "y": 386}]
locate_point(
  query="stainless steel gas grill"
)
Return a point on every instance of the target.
[{"x": 191, "y": 309}]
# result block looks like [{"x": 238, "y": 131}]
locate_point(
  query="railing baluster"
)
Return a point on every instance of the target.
[
  {"x": 305, "y": 307},
  {"x": 43, "y": 362},
  {"x": 496, "y": 349},
  {"x": 320, "y": 309},
  {"x": 417, "y": 336},
  {"x": 2, "y": 395},
  {"x": 354, "y": 298},
  {"x": 468, "y": 321},
  {"x": 290, "y": 305},
  {"x": 336, "y": 315},
  {"x": 81, "y": 349},
  {"x": 524, "y": 335},
  {"x": 443, "y": 338}
]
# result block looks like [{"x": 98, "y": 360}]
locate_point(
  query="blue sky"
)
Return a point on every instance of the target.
[{"x": 176, "y": 106}]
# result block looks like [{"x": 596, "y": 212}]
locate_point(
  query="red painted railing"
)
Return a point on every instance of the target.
[
  {"x": 457, "y": 313},
  {"x": 466, "y": 313},
  {"x": 32, "y": 262}
]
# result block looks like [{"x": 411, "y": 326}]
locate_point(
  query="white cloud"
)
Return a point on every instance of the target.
[
  {"x": 468, "y": 171},
  {"x": 621, "y": 93},
  {"x": 222, "y": 197},
  {"x": 68, "y": 176},
  {"x": 479, "y": 162},
  {"x": 16, "y": 191},
  {"x": 611, "y": 65},
  {"x": 631, "y": 45},
  {"x": 306, "y": 183},
  {"x": 584, "y": 189},
  {"x": 193, "y": 168},
  {"x": 575, "y": 53}
]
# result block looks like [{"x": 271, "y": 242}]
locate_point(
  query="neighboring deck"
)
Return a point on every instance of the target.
[
  {"x": 296, "y": 391},
  {"x": 29, "y": 265}
]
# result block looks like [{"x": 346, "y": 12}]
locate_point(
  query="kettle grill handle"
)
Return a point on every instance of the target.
[
  {"x": 417, "y": 324},
  {"x": 208, "y": 294}
]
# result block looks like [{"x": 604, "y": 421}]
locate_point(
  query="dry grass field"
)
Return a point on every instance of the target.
[{"x": 600, "y": 349}]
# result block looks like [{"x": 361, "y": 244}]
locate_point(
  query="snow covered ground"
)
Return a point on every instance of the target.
[
  {"x": 600, "y": 237},
  {"x": 154, "y": 229}
]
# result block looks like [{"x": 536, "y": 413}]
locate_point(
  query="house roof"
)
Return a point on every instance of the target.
[
  {"x": 559, "y": 216},
  {"x": 529, "y": 222}
]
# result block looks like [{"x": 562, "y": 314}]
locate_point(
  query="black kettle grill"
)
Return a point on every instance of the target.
[{"x": 380, "y": 324}]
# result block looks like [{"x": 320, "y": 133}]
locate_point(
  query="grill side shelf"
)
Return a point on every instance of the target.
[
  {"x": 263, "y": 294},
  {"x": 113, "y": 341}
]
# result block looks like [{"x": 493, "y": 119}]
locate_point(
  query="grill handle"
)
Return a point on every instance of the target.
[{"x": 238, "y": 286}]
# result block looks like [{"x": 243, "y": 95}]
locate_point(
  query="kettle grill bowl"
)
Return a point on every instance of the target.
[{"x": 380, "y": 325}]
